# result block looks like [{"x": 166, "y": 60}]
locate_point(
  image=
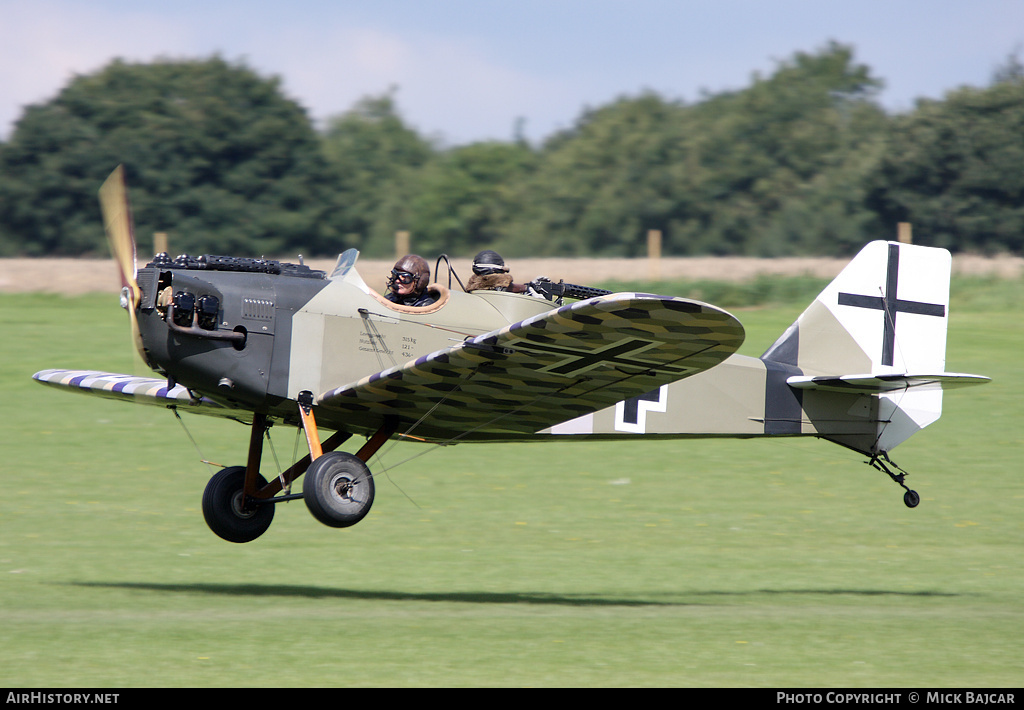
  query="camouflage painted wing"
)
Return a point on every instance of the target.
[
  {"x": 547, "y": 369},
  {"x": 139, "y": 390}
]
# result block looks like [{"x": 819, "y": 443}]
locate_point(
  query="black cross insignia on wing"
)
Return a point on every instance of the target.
[
  {"x": 891, "y": 305},
  {"x": 623, "y": 354}
]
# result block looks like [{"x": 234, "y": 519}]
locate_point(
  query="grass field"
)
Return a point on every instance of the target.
[{"x": 695, "y": 563}]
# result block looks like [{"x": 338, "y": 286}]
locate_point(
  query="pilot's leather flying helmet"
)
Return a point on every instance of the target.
[{"x": 408, "y": 269}]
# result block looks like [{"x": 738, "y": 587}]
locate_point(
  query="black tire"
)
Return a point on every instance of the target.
[
  {"x": 911, "y": 499},
  {"x": 222, "y": 507},
  {"x": 338, "y": 489}
]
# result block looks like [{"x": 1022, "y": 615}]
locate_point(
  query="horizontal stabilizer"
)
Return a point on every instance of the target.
[{"x": 874, "y": 384}]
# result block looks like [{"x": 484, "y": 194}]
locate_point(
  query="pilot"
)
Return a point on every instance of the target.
[
  {"x": 491, "y": 274},
  {"x": 407, "y": 285}
]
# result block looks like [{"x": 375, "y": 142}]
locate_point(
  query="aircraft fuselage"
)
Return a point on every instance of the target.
[{"x": 254, "y": 334}]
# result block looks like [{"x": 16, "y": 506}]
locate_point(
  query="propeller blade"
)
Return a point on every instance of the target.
[{"x": 117, "y": 222}]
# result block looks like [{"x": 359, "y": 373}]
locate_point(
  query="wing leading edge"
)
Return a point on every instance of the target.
[
  {"x": 139, "y": 390},
  {"x": 549, "y": 368}
]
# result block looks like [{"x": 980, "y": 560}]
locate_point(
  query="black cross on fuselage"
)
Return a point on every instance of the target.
[
  {"x": 631, "y": 409},
  {"x": 891, "y": 305}
]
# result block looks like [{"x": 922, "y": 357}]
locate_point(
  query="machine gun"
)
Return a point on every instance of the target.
[{"x": 557, "y": 291}]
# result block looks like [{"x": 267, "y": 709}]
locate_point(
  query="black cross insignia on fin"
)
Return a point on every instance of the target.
[{"x": 891, "y": 305}]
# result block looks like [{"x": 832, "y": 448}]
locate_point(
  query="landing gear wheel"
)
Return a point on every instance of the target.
[
  {"x": 225, "y": 511},
  {"x": 338, "y": 489},
  {"x": 882, "y": 462}
]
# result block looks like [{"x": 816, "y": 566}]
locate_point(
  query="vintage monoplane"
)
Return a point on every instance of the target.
[{"x": 265, "y": 342}]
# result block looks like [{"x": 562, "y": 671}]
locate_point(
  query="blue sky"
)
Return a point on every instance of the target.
[{"x": 466, "y": 70}]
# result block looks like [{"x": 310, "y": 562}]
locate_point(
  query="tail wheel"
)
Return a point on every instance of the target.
[
  {"x": 225, "y": 509},
  {"x": 882, "y": 462},
  {"x": 338, "y": 489}
]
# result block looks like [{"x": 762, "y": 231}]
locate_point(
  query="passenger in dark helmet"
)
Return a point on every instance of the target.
[
  {"x": 491, "y": 274},
  {"x": 407, "y": 285}
]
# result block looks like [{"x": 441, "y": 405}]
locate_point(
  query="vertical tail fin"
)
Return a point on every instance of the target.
[
  {"x": 878, "y": 331},
  {"x": 885, "y": 313}
]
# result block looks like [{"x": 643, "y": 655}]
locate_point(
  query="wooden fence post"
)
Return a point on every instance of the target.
[
  {"x": 401, "y": 244},
  {"x": 654, "y": 255},
  {"x": 904, "y": 232}
]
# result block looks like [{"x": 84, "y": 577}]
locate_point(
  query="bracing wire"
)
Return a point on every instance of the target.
[
  {"x": 277, "y": 462},
  {"x": 891, "y": 322},
  {"x": 202, "y": 458}
]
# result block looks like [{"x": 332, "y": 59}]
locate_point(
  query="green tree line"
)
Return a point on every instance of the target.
[{"x": 802, "y": 161}]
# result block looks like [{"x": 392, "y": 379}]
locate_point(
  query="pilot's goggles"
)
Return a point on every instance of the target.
[{"x": 402, "y": 277}]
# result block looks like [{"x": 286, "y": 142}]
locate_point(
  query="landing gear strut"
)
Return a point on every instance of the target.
[
  {"x": 238, "y": 502},
  {"x": 882, "y": 462}
]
